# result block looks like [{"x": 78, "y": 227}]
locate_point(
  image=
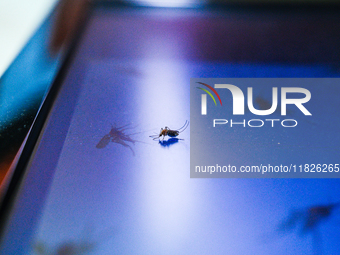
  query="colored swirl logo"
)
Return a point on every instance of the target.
[{"x": 204, "y": 97}]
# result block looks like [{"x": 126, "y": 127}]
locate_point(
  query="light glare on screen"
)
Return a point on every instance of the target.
[{"x": 169, "y": 3}]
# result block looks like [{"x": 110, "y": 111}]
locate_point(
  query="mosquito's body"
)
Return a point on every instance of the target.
[{"x": 169, "y": 132}]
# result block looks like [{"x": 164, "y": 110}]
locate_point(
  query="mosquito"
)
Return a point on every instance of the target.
[
  {"x": 117, "y": 135},
  {"x": 169, "y": 132}
]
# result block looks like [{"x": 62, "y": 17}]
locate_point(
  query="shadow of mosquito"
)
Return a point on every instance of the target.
[
  {"x": 169, "y": 142},
  {"x": 118, "y": 135}
]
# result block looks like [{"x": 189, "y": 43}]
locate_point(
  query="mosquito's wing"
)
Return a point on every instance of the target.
[{"x": 103, "y": 142}]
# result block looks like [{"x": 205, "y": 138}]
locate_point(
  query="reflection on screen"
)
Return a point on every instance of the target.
[{"x": 116, "y": 190}]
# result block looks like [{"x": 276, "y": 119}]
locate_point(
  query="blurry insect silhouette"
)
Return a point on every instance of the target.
[
  {"x": 265, "y": 104},
  {"x": 117, "y": 135},
  {"x": 88, "y": 243},
  {"x": 67, "y": 248},
  {"x": 308, "y": 220},
  {"x": 169, "y": 132}
]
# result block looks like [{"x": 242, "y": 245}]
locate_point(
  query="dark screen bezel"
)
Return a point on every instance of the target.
[{"x": 18, "y": 167}]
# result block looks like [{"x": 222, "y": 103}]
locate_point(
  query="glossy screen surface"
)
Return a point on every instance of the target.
[{"x": 99, "y": 184}]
